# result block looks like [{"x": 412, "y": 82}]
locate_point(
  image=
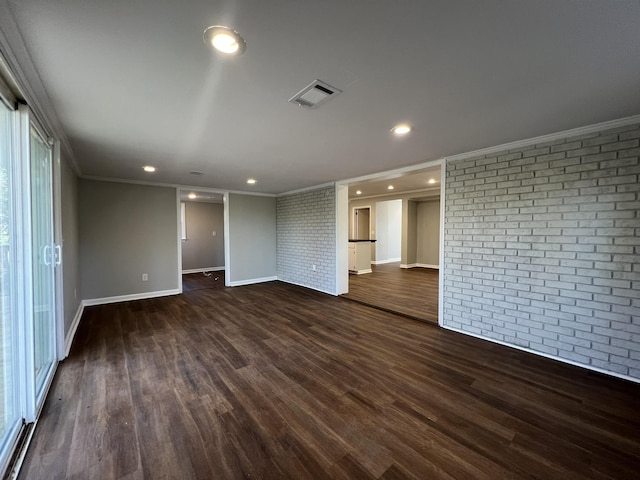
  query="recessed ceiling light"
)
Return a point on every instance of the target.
[
  {"x": 390, "y": 187},
  {"x": 251, "y": 181},
  {"x": 224, "y": 40},
  {"x": 149, "y": 168},
  {"x": 358, "y": 192},
  {"x": 432, "y": 180},
  {"x": 192, "y": 195},
  {"x": 401, "y": 129}
]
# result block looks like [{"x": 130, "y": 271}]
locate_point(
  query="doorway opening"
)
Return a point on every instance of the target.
[
  {"x": 404, "y": 224},
  {"x": 202, "y": 240}
]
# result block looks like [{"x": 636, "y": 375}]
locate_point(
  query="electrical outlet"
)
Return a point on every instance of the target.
[
  {"x": 145, "y": 277},
  {"x": 313, "y": 267},
  {"x": 214, "y": 233}
]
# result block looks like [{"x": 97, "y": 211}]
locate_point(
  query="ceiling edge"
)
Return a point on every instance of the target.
[{"x": 29, "y": 82}]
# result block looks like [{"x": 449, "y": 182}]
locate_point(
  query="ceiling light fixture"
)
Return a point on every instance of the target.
[
  {"x": 192, "y": 195},
  {"x": 358, "y": 192},
  {"x": 149, "y": 168},
  {"x": 432, "y": 181},
  {"x": 390, "y": 187},
  {"x": 252, "y": 181},
  {"x": 224, "y": 40},
  {"x": 401, "y": 129}
]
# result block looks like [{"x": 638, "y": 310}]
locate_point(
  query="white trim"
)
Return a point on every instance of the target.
[
  {"x": 360, "y": 272},
  {"x": 71, "y": 334},
  {"x": 426, "y": 265},
  {"x": 202, "y": 270},
  {"x": 574, "y": 132},
  {"x": 127, "y": 298},
  {"x": 333, "y": 294},
  {"x": 25, "y": 76},
  {"x": 227, "y": 245},
  {"x": 434, "y": 192},
  {"x": 22, "y": 454},
  {"x": 181, "y": 228},
  {"x": 409, "y": 265},
  {"x": 305, "y": 189},
  {"x": 546, "y": 355},
  {"x": 353, "y": 234},
  {"x": 251, "y": 281},
  {"x": 173, "y": 185},
  {"x": 443, "y": 181},
  {"x": 377, "y": 176},
  {"x": 388, "y": 260},
  {"x": 342, "y": 237}
]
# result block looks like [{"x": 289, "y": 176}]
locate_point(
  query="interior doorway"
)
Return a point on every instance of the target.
[
  {"x": 404, "y": 219},
  {"x": 362, "y": 223},
  {"x": 202, "y": 239}
]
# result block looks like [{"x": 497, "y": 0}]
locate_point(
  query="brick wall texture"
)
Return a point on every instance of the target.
[
  {"x": 542, "y": 248},
  {"x": 306, "y": 236}
]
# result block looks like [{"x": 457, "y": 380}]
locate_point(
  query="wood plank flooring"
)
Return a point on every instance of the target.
[
  {"x": 274, "y": 381},
  {"x": 200, "y": 281},
  {"x": 412, "y": 292}
]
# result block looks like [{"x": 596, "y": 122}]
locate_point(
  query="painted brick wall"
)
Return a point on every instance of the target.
[
  {"x": 306, "y": 236},
  {"x": 542, "y": 248}
]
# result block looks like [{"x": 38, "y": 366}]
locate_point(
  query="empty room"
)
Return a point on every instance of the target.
[{"x": 294, "y": 240}]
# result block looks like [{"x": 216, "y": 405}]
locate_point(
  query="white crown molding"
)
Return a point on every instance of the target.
[
  {"x": 173, "y": 185},
  {"x": 306, "y": 189},
  {"x": 574, "y": 132},
  {"x": 28, "y": 80}
]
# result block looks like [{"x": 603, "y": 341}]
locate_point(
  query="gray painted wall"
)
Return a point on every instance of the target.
[
  {"x": 252, "y": 237},
  {"x": 201, "y": 249},
  {"x": 306, "y": 237},
  {"x": 127, "y": 230},
  {"x": 428, "y": 222},
  {"x": 70, "y": 243},
  {"x": 542, "y": 249}
]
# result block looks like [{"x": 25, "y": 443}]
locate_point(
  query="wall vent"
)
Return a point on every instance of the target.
[{"x": 314, "y": 94}]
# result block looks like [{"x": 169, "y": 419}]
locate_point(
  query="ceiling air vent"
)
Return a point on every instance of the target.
[{"x": 314, "y": 94}]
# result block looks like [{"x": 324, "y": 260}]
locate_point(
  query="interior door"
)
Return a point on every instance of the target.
[{"x": 43, "y": 255}]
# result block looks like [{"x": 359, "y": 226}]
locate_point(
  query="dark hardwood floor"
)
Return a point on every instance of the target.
[
  {"x": 200, "y": 281},
  {"x": 276, "y": 381},
  {"x": 412, "y": 292}
]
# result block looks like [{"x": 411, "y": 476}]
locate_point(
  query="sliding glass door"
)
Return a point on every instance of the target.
[
  {"x": 43, "y": 259},
  {"x": 10, "y": 411},
  {"x": 28, "y": 259}
]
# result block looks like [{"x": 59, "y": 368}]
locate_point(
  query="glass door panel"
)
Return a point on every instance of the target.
[
  {"x": 10, "y": 415},
  {"x": 42, "y": 261}
]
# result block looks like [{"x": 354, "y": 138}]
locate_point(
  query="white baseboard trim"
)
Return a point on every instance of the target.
[
  {"x": 251, "y": 281},
  {"x": 309, "y": 287},
  {"x": 68, "y": 339},
  {"x": 127, "y": 298},
  {"x": 419, "y": 265},
  {"x": 410, "y": 265},
  {"x": 202, "y": 270},
  {"x": 388, "y": 260},
  {"x": 546, "y": 355},
  {"x": 360, "y": 272},
  {"x": 426, "y": 265}
]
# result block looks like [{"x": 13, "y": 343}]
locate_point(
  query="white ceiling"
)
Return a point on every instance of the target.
[{"x": 132, "y": 82}]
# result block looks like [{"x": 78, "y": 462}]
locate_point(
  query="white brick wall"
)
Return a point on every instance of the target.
[
  {"x": 542, "y": 248},
  {"x": 306, "y": 236}
]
